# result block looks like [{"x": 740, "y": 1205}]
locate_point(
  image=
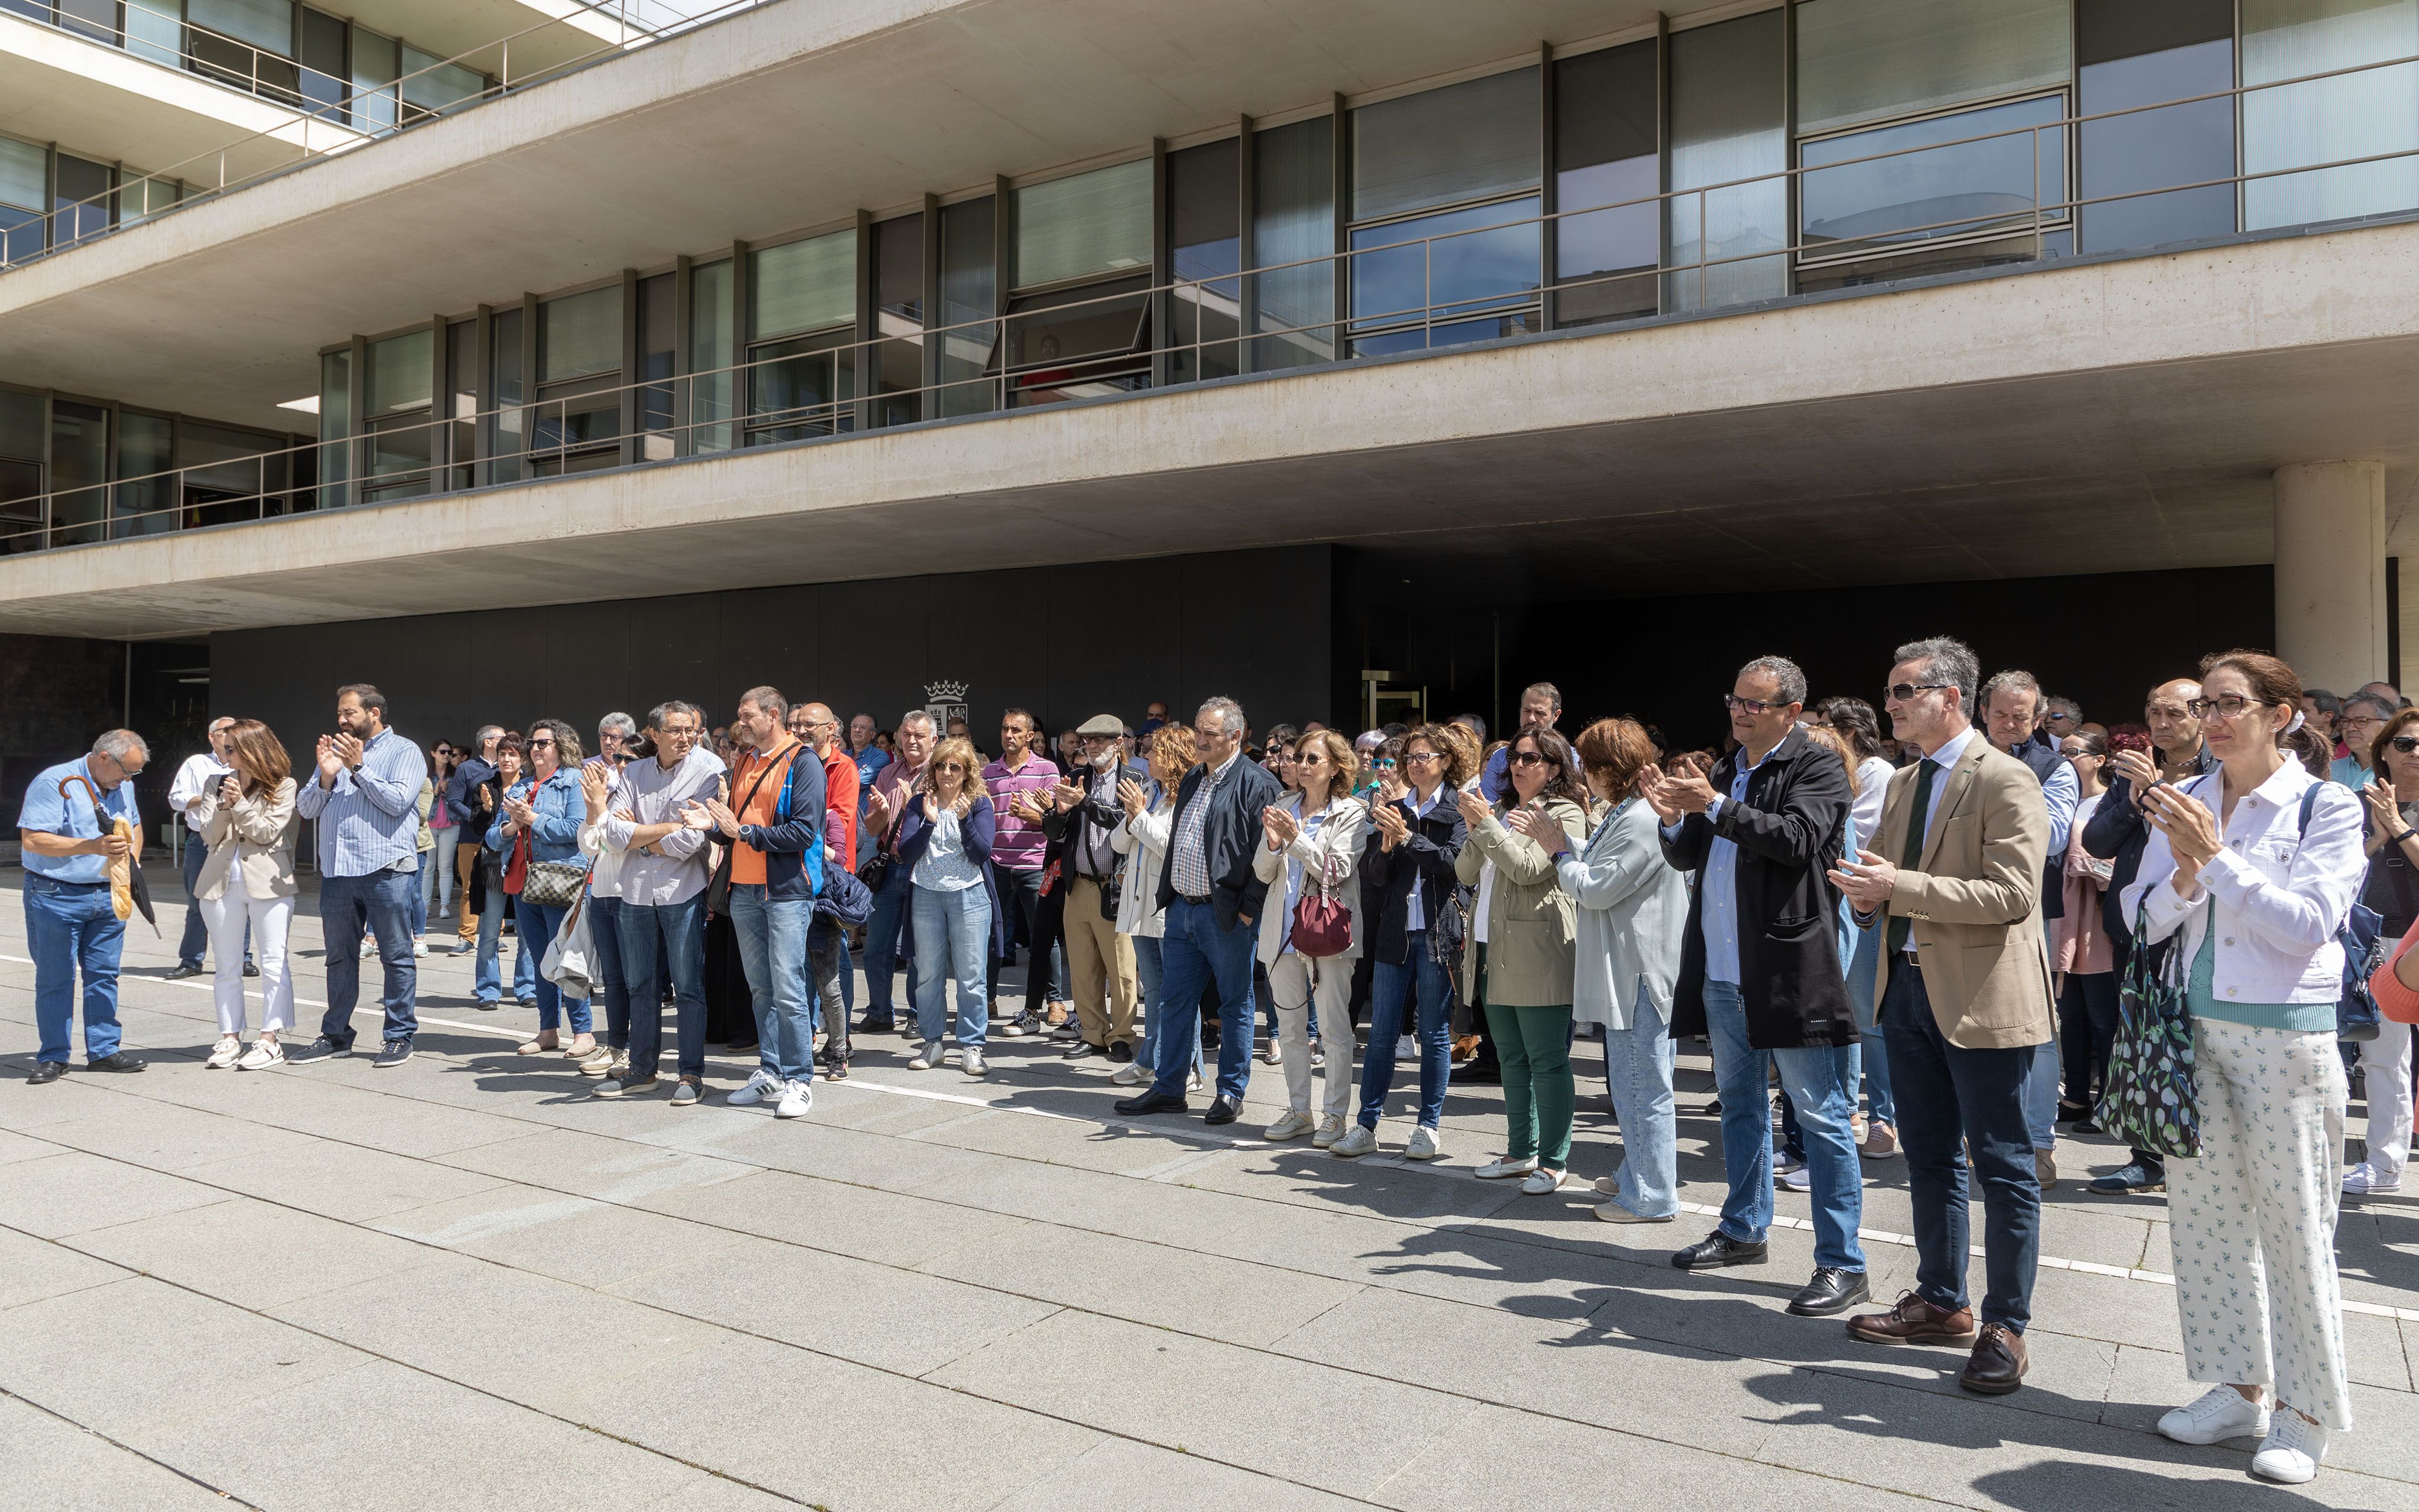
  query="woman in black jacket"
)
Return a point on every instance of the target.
[{"x": 1413, "y": 904}]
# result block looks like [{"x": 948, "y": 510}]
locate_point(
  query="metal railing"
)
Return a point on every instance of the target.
[
  {"x": 239, "y": 65},
  {"x": 1231, "y": 325}
]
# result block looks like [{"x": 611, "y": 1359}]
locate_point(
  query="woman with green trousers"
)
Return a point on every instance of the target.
[{"x": 1524, "y": 924}]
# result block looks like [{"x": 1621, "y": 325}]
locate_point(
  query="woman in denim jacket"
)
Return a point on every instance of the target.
[{"x": 539, "y": 821}]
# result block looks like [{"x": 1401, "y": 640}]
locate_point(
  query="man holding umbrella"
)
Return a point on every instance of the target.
[{"x": 68, "y": 828}]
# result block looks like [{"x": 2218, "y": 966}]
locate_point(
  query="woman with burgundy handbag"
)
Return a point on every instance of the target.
[
  {"x": 1312, "y": 840},
  {"x": 1524, "y": 927}
]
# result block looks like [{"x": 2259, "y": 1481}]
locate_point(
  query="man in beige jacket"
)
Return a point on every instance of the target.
[{"x": 1965, "y": 1001}]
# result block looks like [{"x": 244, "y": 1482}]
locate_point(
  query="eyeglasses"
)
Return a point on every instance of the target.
[
  {"x": 1531, "y": 758},
  {"x": 1739, "y": 706},
  {"x": 949, "y": 766},
  {"x": 2345, "y": 721},
  {"x": 1906, "y": 692},
  {"x": 1417, "y": 758},
  {"x": 2405, "y": 744},
  {"x": 2229, "y": 706},
  {"x": 1386, "y": 763}
]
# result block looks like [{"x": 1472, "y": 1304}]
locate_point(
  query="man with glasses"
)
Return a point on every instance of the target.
[
  {"x": 365, "y": 795},
  {"x": 2363, "y": 714},
  {"x": 71, "y": 927},
  {"x": 2117, "y": 833},
  {"x": 658, "y": 921},
  {"x": 1963, "y": 1009},
  {"x": 1084, "y": 812},
  {"x": 1760, "y": 974}
]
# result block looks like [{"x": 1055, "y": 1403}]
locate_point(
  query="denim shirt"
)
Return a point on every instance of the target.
[{"x": 554, "y": 833}]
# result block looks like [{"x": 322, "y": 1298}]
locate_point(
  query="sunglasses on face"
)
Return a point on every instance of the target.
[
  {"x": 949, "y": 766},
  {"x": 1906, "y": 692},
  {"x": 1530, "y": 758},
  {"x": 2405, "y": 744},
  {"x": 1384, "y": 763},
  {"x": 542, "y": 743}
]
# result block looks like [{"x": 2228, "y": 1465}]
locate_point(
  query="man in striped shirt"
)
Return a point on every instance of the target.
[
  {"x": 365, "y": 796},
  {"x": 1021, "y": 784}
]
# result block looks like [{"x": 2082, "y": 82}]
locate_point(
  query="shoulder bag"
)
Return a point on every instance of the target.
[
  {"x": 2148, "y": 1097},
  {"x": 2364, "y": 952},
  {"x": 1321, "y": 926},
  {"x": 718, "y": 887}
]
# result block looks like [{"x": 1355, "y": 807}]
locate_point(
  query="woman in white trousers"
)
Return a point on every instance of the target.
[
  {"x": 2250, "y": 872},
  {"x": 1312, "y": 844},
  {"x": 248, "y": 877}
]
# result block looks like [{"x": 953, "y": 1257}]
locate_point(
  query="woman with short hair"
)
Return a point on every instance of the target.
[
  {"x": 247, "y": 881},
  {"x": 1141, "y": 840},
  {"x": 1312, "y": 844},
  {"x": 540, "y": 822},
  {"x": 946, "y": 839}
]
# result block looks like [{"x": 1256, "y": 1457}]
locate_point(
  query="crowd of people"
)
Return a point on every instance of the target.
[{"x": 1917, "y": 940}]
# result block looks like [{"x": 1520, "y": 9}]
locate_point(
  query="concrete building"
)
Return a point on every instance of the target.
[{"x": 1345, "y": 356}]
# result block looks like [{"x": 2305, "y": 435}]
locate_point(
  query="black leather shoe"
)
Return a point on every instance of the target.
[
  {"x": 869, "y": 1024},
  {"x": 1151, "y": 1102},
  {"x": 1716, "y": 1250},
  {"x": 251, "y": 970},
  {"x": 182, "y": 970},
  {"x": 1997, "y": 1366},
  {"x": 1120, "y": 1052},
  {"x": 117, "y": 1060},
  {"x": 1225, "y": 1110},
  {"x": 1832, "y": 1291},
  {"x": 46, "y": 1071}
]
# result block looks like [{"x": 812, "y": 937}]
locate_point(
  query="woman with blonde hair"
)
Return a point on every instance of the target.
[
  {"x": 247, "y": 879},
  {"x": 1141, "y": 840},
  {"x": 1312, "y": 847},
  {"x": 945, "y": 838}
]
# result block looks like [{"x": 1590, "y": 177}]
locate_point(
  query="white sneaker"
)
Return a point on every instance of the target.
[
  {"x": 262, "y": 1056},
  {"x": 797, "y": 1096},
  {"x": 1317, "y": 1056},
  {"x": 1406, "y": 1048},
  {"x": 973, "y": 1064},
  {"x": 1425, "y": 1144},
  {"x": 1331, "y": 1129},
  {"x": 418, "y": 947},
  {"x": 2365, "y": 1181},
  {"x": 927, "y": 1058},
  {"x": 1497, "y": 1170},
  {"x": 224, "y": 1052},
  {"x": 1276, "y": 1054},
  {"x": 761, "y": 1085},
  {"x": 1129, "y": 1074},
  {"x": 369, "y": 947},
  {"x": 2293, "y": 1450},
  {"x": 1292, "y": 1126},
  {"x": 1357, "y": 1141},
  {"x": 1193, "y": 1081},
  {"x": 1540, "y": 1181},
  {"x": 1613, "y": 1212},
  {"x": 2219, "y": 1413}
]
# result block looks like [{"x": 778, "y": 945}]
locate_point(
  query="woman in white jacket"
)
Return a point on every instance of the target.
[
  {"x": 2251, "y": 871},
  {"x": 1141, "y": 840},
  {"x": 248, "y": 878},
  {"x": 1311, "y": 841}
]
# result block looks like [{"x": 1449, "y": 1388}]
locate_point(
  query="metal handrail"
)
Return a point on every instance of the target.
[{"x": 729, "y": 426}]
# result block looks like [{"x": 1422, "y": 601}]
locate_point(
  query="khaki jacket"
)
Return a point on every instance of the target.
[
  {"x": 1532, "y": 922},
  {"x": 257, "y": 831},
  {"x": 1975, "y": 899}
]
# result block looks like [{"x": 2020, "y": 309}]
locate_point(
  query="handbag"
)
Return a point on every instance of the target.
[
  {"x": 2148, "y": 1098},
  {"x": 554, "y": 884},
  {"x": 1321, "y": 926}
]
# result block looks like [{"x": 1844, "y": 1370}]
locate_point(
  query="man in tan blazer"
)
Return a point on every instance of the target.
[{"x": 1964, "y": 1003}]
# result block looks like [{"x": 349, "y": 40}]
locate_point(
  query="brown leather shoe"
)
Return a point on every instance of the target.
[
  {"x": 1914, "y": 1321},
  {"x": 1998, "y": 1363}
]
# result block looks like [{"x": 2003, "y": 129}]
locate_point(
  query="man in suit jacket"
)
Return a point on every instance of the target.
[
  {"x": 1761, "y": 975},
  {"x": 1214, "y": 902},
  {"x": 1965, "y": 1007}
]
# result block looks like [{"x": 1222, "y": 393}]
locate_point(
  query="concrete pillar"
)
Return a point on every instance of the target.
[{"x": 2331, "y": 572}]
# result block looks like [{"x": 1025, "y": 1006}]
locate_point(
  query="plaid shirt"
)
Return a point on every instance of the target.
[{"x": 1189, "y": 856}]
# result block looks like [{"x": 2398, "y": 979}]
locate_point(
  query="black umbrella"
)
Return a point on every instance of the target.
[{"x": 131, "y": 893}]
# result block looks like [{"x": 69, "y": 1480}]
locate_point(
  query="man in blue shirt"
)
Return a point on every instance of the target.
[
  {"x": 365, "y": 796},
  {"x": 870, "y": 759},
  {"x": 71, "y": 924},
  {"x": 1540, "y": 703}
]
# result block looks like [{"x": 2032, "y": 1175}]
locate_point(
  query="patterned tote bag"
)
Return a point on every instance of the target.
[{"x": 2148, "y": 1097}]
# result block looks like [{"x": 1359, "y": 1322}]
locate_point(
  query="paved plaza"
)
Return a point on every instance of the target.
[{"x": 463, "y": 1283}]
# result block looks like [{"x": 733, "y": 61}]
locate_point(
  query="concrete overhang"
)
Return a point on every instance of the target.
[
  {"x": 790, "y": 115},
  {"x": 2096, "y": 417}
]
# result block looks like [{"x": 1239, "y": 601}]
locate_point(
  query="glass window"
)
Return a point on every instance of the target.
[
  {"x": 21, "y": 425},
  {"x": 96, "y": 19},
  {"x": 82, "y": 199},
  {"x": 79, "y": 473},
  {"x": 801, "y": 387},
  {"x": 579, "y": 334},
  {"x": 1293, "y": 220},
  {"x": 335, "y": 424},
  {"x": 1729, "y": 140},
  {"x": 1936, "y": 183},
  {"x": 1090, "y": 223},
  {"x": 711, "y": 389},
  {"x": 233, "y": 474},
  {"x": 578, "y": 427},
  {"x": 155, "y": 30},
  {"x": 1868, "y": 60},
  {"x": 1204, "y": 251},
  {"x": 375, "y": 71},
  {"x": 508, "y": 388},
  {"x": 1607, "y": 152},
  {"x": 24, "y": 191},
  {"x": 141, "y": 196},
  {"x": 21, "y": 472},
  {"x": 267, "y": 25},
  {"x": 431, "y": 84},
  {"x": 326, "y": 81},
  {"x": 899, "y": 320},
  {"x": 968, "y": 301},
  {"x": 1079, "y": 341},
  {"x": 397, "y": 395},
  {"x": 2135, "y": 53},
  {"x": 657, "y": 303},
  {"x": 1443, "y": 146},
  {"x": 146, "y": 494},
  {"x": 802, "y": 285},
  {"x": 2329, "y": 121},
  {"x": 398, "y": 375},
  {"x": 462, "y": 402},
  {"x": 1471, "y": 277}
]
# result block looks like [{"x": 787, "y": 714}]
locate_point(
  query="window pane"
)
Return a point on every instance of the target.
[
  {"x": 1863, "y": 60},
  {"x": 2137, "y": 53},
  {"x": 1203, "y": 217},
  {"x": 1928, "y": 192},
  {"x": 1726, "y": 126},
  {"x": 1606, "y": 153},
  {"x": 326, "y": 81},
  {"x": 803, "y": 285},
  {"x": 579, "y": 334},
  {"x": 96, "y": 19},
  {"x": 1093, "y": 223},
  {"x": 228, "y": 474},
  {"x": 1075, "y": 342},
  {"x": 584, "y": 413},
  {"x": 79, "y": 472},
  {"x": 656, "y": 298},
  {"x": 709, "y": 357},
  {"x": 898, "y": 362},
  {"x": 82, "y": 202},
  {"x": 24, "y": 194},
  {"x": 139, "y": 197},
  {"x": 1466, "y": 141},
  {"x": 267, "y": 25},
  {"x": 398, "y": 375},
  {"x": 431, "y": 84},
  {"x": 1439, "y": 285},
  {"x": 335, "y": 424},
  {"x": 1294, "y": 218},
  {"x": 20, "y": 426},
  {"x": 800, "y": 387},
  {"x": 375, "y": 69},
  {"x": 968, "y": 304},
  {"x": 155, "y": 30},
  {"x": 462, "y": 402},
  {"x": 2328, "y": 120},
  {"x": 146, "y": 502}
]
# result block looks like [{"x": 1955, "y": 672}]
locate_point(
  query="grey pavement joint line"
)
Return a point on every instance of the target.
[{"x": 119, "y": 1444}]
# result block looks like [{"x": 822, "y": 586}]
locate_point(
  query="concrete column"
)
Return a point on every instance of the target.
[{"x": 2331, "y": 572}]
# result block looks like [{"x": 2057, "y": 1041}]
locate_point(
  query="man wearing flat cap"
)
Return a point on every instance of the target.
[{"x": 1099, "y": 960}]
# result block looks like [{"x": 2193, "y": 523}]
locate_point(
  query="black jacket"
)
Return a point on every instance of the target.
[
  {"x": 1425, "y": 854},
  {"x": 2041, "y": 758},
  {"x": 1230, "y": 831},
  {"x": 1068, "y": 832},
  {"x": 1789, "y": 832},
  {"x": 2119, "y": 833}
]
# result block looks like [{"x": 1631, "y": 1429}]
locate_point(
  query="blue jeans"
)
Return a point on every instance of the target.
[
  {"x": 1194, "y": 953},
  {"x": 771, "y": 935},
  {"x": 1881, "y": 1106},
  {"x": 196, "y": 937},
  {"x": 486, "y": 980},
  {"x": 1392, "y": 984},
  {"x": 1148, "y": 973},
  {"x": 884, "y": 944},
  {"x": 1954, "y": 1097},
  {"x": 2040, "y": 1095},
  {"x": 70, "y": 928},
  {"x": 953, "y": 942},
  {"x": 537, "y": 926},
  {"x": 527, "y": 953},
  {"x": 1638, "y": 1070},
  {"x": 653, "y": 941},
  {"x": 604, "y": 955},
  {"x": 379, "y": 904},
  {"x": 1822, "y": 1081}
]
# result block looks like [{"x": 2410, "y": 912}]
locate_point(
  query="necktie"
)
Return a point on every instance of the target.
[{"x": 1912, "y": 858}]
